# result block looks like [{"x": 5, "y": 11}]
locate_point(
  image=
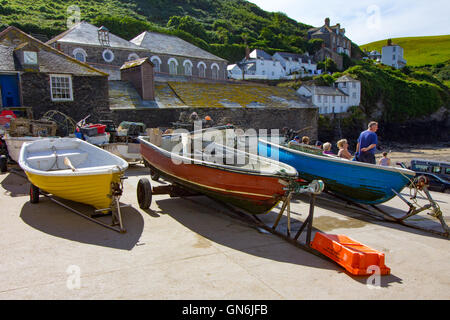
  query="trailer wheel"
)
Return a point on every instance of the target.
[
  {"x": 155, "y": 175},
  {"x": 3, "y": 164},
  {"x": 144, "y": 193},
  {"x": 34, "y": 194}
]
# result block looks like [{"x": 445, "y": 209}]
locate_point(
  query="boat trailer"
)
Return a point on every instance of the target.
[
  {"x": 315, "y": 188},
  {"x": 417, "y": 187},
  {"x": 114, "y": 210}
]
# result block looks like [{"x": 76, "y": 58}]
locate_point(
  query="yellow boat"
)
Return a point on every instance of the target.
[{"x": 73, "y": 169}]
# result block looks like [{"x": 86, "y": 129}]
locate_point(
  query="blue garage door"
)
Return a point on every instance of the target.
[{"x": 9, "y": 86}]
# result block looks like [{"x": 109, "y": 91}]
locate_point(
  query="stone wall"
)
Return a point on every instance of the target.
[
  {"x": 90, "y": 96},
  {"x": 267, "y": 118}
]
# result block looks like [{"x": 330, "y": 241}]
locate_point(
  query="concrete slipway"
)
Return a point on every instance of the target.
[{"x": 188, "y": 249}]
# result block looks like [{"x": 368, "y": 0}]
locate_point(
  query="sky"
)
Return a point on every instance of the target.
[{"x": 366, "y": 21}]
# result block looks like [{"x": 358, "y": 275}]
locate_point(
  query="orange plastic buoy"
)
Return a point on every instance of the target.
[{"x": 355, "y": 257}]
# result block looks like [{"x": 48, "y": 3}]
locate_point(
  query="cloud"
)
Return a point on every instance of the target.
[{"x": 368, "y": 20}]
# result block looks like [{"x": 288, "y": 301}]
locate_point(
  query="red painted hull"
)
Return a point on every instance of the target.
[{"x": 251, "y": 191}]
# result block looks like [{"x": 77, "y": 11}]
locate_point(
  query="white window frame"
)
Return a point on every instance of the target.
[
  {"x": 112, "y": 55},
  {"x": 133, "y": 56},
  {"x": 188, "y": 70},
  {"x": 176, "y": 66},
  {"x": 203, "y": 75},
  {"x": 213, "y": 66},
  {"x": 79, "y": 51},
  {"x": 65, "y": 76},
  {"x": 157, "y": 66}
]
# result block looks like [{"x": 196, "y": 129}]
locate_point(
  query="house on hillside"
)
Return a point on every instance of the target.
[
  {"x": 374, "y": 55},
  {"x": 34, "y": 74},
  {"x": 334, "y": 99},
  {"x": 392, "y": 55},
  {"x": 97, "y": 47},
  {"x": 292, "y": 62},
  {"x": 335, "y": 42},
  {"x": 174, "y": 57}
]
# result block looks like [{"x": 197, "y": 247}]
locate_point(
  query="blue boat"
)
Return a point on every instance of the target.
[{"x": 356, "y": 181}]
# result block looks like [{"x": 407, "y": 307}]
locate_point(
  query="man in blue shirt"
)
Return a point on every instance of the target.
[{"x": 367, "y": 144}]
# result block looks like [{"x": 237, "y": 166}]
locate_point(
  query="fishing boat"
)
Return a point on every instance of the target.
[
  {"x": 356, "y": 181},
  {"x": 254, "y": 184},
  {"x": 73, "y": 169}
]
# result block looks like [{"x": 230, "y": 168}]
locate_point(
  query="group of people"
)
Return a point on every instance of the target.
[{"x": 365, "y": 148}]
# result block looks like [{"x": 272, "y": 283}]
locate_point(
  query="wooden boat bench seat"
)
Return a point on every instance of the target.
[{"x": 50, "y": 161}]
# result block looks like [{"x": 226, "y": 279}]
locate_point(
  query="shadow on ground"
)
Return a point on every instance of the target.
[
  {"x": 16, "y": 184},
  {"x": 210, "y": 220},
  {"x": 55, "y": 220}
]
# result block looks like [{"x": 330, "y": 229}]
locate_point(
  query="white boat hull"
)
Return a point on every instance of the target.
[
  {"x": 128, "y": 151},
  {"x": 14, "y": 144}
]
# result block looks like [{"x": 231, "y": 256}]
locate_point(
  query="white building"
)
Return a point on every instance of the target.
[
  {"x": 337, "y": 99},
  {"x": 292, "y": 62},
  {"x": 375, "y": 55},
  {"x": 392, "y": 55},
  {"x": 351, "y": 87},
  {"x": 234, "y": 72}
]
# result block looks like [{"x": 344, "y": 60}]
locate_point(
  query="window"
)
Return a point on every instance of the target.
[
  {"x": 133, "y": 56},
  {"x": 108, "y": 55},
  {"x": 325, "y": 98},
  {"x": 187, "y": 68},
  {"x": 215, "y": 71},
  {"x": 156, "y": 63},
  {"x": 61, "y": 88},
  {"x": 354, "y": 84},
  {"x": 334, "y": 99},
  {"x": 79, "y": 54},
  {"x": 344, "y": 84},
  {"x": 436, "y": 169},
  {"x": 319, "y": 98},
  {"x": 393, "y": 57},
  {"x": 173, "y": 64},
  {"x": 326, "y": 110},
  {"x": 354, "y": 95},
  {"x": 201, "y": 70},
  {"x": 342, "y": 109},
  {"x": 394, "y": 49}
]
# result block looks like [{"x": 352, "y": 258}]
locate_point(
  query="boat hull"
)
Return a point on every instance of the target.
[
  {"x": 14, "y": 144},
  {"x": 361, "y": 183},
  {"x": 123, "y": 150},
  {"x": 94, "y": 190},
  {"x": 252, "y": 192}
]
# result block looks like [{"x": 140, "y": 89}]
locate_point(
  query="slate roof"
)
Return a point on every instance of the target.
[
  {"x": 295, "y": 56},
  {"x": 50, "y": 59},
  {"x": 326, "y": 91},
  {"x": 345, "y": 78},
  {"x": 258, "y": 53},
  {"x": 135, "y": 63},
  {"x": 87, "y": 34},
  {"x": 160, "y": 43}
]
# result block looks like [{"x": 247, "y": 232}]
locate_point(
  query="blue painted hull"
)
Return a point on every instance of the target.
[{"x": 360, "y": 182}]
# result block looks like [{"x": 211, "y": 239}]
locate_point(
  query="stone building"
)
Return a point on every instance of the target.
[
  {"x": 33, "y": 74},
  {"x": 334, "y": 40},
  {"x": 98, "y": 48},
  {"x": 175, "y": 57}
]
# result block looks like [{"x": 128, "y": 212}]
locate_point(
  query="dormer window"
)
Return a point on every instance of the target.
[
  {"x": 103, "y": 36},
  {"x": 30, "y": 57}
]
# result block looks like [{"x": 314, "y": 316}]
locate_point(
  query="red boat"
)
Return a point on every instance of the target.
[{"x": 255, "y": 185}]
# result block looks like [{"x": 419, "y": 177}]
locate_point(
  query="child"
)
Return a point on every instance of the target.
[
  {"x": 385, "y": 161},
  {"x": 327, "y": 148}
]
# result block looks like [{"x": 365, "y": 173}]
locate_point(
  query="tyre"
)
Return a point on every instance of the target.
[
  {"x": 34, "y": 194},
  {"x": 144, "y": 193},
  {"x": 155, "y": 175},
  {"x": 3, "y": 164}
]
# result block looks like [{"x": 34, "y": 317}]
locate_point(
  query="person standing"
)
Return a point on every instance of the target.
[{"x": 367, "y": 144}]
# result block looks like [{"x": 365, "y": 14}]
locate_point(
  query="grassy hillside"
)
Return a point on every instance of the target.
[
  {"x": 419, "y": 51},
  {"x": 220, "y": 26}
]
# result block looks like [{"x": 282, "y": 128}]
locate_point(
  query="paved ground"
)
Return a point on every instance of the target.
[{"x": 190, "y": 249}]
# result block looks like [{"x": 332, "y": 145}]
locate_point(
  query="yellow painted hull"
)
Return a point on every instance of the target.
[{"x": 94, "y": 190}]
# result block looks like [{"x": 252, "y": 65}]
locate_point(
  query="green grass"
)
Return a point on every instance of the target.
[{"x": 418, "y": 51}]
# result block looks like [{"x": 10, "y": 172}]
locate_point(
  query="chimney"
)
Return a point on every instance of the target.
[
  {"x": 327, "y": 22},
  {"x": 389, "y": 42},
  {"x": 140, "y": 74}
]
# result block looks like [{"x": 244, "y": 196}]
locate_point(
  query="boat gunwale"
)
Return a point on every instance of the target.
[
  {"x": 343, "y": 161},
  {"x": 89, "y": 171},
  {"x": 292, "y": 173}
]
